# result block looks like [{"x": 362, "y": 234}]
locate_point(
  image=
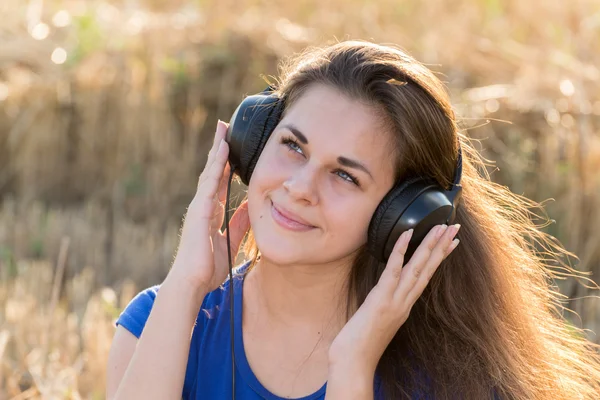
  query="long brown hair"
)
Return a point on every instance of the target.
[{"x": 489, "y": 320}]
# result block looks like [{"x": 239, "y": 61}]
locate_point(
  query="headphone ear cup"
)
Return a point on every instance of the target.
[
  {"x": 249, "y": 129},
  {"x": 417, "y": 204},
  {"x": 264, "y": 129}
]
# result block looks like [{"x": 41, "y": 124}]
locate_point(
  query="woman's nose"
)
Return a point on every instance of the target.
[{"x": 302, "y": 185}]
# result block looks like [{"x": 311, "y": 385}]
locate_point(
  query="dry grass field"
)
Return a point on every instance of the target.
[{"x": 106, "y": 109}]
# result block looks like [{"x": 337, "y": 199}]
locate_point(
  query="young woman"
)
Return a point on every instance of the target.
[{"x": 316, "y": 315}]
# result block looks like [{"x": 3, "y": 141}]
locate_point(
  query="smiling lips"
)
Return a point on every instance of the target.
[{"x": 288, "y": 220}]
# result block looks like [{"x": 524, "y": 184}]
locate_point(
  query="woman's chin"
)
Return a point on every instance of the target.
[{"x": 279, "y": 249}]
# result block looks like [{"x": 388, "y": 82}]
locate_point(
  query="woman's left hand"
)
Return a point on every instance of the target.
[{"x": 361, "y": 342}]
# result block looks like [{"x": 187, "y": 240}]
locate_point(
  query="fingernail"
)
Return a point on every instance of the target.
[
  {"x": 453, "y": 244},
  {"x": 456, "y": 228},
  {"x": 406, "y": 239}
]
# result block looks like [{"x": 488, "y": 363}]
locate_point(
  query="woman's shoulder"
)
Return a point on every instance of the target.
[
  {"x": 135, "y": 315},
  {"x": 218, "y": 300}
]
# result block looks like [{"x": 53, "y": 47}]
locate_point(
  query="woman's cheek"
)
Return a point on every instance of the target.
[
  {"x": 275, "y": 160},
  {"x": 268, "y": 168},
  {"x": 353, "y": 216}
]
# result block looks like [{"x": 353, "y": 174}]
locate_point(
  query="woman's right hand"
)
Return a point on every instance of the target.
[{"x": 202, "y": 258}]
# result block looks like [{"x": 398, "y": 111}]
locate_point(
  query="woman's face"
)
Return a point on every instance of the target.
[{"x": 326, "y": 167}]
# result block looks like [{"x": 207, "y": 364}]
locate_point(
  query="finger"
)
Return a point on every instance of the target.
[
  {"x": 222, "y": 194},
  {"x": 209, "y": 187},
  {"x": 413, "y": 269},
  {"x": 238, "y": 226},
  {"x": 452, "y": 246},
  {"x": 437, "y": 256},
  {"x": 393, "y": 269},
  {"x": 220, "y": 133},
  {"x": 219, "y": 199}
]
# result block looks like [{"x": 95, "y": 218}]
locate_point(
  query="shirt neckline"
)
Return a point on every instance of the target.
[{"x": 241, "y": 362}]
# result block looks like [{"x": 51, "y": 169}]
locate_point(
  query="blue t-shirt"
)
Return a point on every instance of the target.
[{"x": 208, "y": 372}]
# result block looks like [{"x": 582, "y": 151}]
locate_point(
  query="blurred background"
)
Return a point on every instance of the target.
[{"x": 107, "y": 109}]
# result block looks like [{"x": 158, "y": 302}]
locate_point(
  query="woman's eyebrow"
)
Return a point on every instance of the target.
[
  {"x": 353, "y": 164},
  {"x": 299, "y": 135},
  {"x": 345, "y": 161}
]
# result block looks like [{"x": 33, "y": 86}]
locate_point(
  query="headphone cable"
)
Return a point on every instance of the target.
[{"x": 231, "y": 285}]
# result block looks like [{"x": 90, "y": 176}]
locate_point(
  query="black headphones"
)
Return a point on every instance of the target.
[{"x": 415, "y": 203}]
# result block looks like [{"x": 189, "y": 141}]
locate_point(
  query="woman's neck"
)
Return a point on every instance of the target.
[{"x": 299, "y": 295}]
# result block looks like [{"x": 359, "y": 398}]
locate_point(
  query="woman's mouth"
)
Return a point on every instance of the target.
[{"x": 286, "y": 220}]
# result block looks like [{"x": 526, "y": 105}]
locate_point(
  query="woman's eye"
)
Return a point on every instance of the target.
[
  {"x": 291, "y": 144},
  {"x": 294, "y": 146},
  {"x": 348, "y": 177}
]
